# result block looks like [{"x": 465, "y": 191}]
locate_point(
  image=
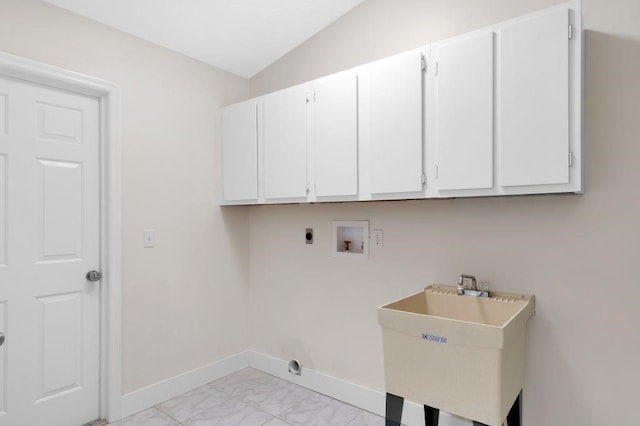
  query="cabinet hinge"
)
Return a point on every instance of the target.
[
  {"x": 436, "y": 73},
  {"x": 570, "y": 159},
  {"x": 423, "y": 62},
  {"x": 570, "y": 31},
  {"x": 424, "y": 178},
  {"x": 436, "y": 172}
]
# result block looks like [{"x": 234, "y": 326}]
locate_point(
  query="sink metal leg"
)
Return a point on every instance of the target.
[
  {"x": 514, "y": 418},
  {"x": 393, "y": 410},
  {"x": 393, "y": 415},
  {"x": 431, "y": 416}
]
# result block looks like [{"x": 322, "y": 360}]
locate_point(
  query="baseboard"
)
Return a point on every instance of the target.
[
  {"x": 149, "y": 396},
  {"x": 351, "y": 393}
]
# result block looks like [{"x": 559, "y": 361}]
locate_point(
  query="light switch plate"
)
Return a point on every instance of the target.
[{"x": 149, "y": 238}]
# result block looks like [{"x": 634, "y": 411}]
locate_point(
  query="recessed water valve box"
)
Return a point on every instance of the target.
[{"x": 351, "y": 239}]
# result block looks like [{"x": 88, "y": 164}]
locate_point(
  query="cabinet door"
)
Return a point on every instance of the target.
[
  {"x": 239, "y": 152},
  {"x": 336, "y": 135},
  {"x": 534, "y": 101},
  {"x": 285, "y": 143},
  {"x": 464, "y": 113},
  {"x": 395, "y": 124}
]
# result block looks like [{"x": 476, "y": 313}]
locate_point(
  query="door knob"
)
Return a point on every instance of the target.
[
  {"x": 94, "y": 276},
  {"x": 1, "y": 339}
]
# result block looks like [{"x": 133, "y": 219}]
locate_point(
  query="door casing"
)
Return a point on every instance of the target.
[{"x": 110, "y": 212}]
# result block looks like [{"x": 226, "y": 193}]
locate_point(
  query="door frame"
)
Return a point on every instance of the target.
[{"x": 109, "y": 97}]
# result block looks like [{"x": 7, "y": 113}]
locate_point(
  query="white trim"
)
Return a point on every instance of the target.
[
  {"x": 359, "y": 396},
  {"x": 110, "y": 210},
  {"x": 111, "y": 255},
  {"x": 149, "y": 396}
]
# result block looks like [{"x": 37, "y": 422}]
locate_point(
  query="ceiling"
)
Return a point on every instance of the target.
[{"x": 240, "y": 36}]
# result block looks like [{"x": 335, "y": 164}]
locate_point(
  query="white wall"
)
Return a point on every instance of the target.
[
  {"x": 184, "y": 302},
  {"x": 577, "y": 254}
]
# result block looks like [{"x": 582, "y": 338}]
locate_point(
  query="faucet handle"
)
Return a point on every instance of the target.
[{"x": 460, "y": 289}]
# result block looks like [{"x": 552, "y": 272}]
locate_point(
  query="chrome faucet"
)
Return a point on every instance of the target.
[
  {"x": 461, "y": 278},
  {"x": 473, "y": 291}
]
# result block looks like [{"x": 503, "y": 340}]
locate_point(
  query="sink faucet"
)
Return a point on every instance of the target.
[{"x": 461, "y": 278}]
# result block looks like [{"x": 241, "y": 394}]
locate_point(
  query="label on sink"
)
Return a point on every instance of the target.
[{"x": 434, "y": 338}]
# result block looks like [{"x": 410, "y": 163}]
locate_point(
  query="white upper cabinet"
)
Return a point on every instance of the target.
[
  {"x": 239, "y": 152},
  {"x": 464, "y": 113},
  {"x": 284, "y": 139},
  {"x": 495, "y": 112},
  {"x": 534, "y": 100},
  {"x": 390, "y": 110},
  {"x": 336, "y": 135}
]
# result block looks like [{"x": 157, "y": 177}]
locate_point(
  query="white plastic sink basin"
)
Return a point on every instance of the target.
[{"x": 460, "y": 354}]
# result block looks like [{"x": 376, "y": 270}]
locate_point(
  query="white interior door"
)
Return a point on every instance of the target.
[{"x": 49, "y": 239}]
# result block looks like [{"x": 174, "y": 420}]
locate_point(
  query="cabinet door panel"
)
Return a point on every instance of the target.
[
  {"x": 239, "y": 152},
  {"x": 285, "y": 143},
  {"x": 395, "y": 122},
  {"x": 336, "y": 136},
  {"x": 534, "y": 101},
  {"x": 464, "y": 113}
]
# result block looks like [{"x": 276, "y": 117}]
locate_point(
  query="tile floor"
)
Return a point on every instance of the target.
[{"x": 252, "y": 398}]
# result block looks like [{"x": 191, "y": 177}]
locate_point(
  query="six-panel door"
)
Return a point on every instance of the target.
[{"x": 49, "y": 239}]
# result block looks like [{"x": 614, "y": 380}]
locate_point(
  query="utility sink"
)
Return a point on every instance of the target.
[{"x": 460, "y": 354}]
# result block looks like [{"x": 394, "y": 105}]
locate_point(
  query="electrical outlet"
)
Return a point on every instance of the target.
[{"x": 378, "y": 240}]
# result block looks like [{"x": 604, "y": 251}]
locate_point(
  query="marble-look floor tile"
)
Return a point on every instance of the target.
[
  {"x": 238, "y": 383},
  {"x": 276, "y": 422},
  {"x": 193, "y": 403},
  {"x": 150, "y": 417},
  {"x": 320, "y": 410},
  {"x": 366, "y": 418},
  {"x": 276, "y": 396},
  {"x": 232, "y": 412}
]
